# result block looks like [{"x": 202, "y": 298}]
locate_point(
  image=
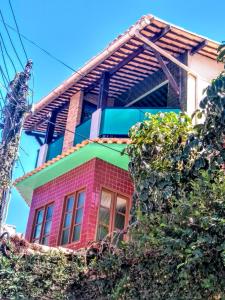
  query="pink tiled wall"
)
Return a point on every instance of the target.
[{"x": 92, "y": 176}]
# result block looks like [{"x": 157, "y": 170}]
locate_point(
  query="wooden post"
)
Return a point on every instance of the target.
[
  {"x": 51, "y": 127},
  {"x": 104, "y": 90}
]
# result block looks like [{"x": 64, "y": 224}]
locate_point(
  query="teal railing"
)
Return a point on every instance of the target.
[
  {"x": 55, "y": 148},
  {"x": 82, "y": 132},
  {"x": 114, "y": 122},
  {"x": 118, "y": 121}
]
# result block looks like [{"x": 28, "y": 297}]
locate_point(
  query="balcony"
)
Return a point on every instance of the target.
[
  {"x": 55, "y": 148},
  {"x": 113, "y": 122},
  {"x": 109, "y": 122}
]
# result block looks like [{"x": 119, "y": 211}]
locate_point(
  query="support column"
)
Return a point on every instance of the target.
[
  {"x": 51, "y": 127},
  {"x": 73, "y": 119},
  {"x": 43, "y": 152},
  {"x": 104, "y": 90}
]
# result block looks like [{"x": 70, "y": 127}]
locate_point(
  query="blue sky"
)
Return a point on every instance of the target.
[{"x": 75, "y": 31}]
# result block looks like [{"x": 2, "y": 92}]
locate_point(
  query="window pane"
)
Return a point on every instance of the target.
[
  {"x": 47, "y": 227},
  {"x": 121, "y": 205},
  {"x": 119, "y": 221},
  {"x": 102, "y": 232},
  {"x": 81, "y": 198},
  {"x": 78, "y": 216},
  {"x": 37, "y": 231},
  {"x": 45, "y": 240},
  {"x": 65, "y": 236},
  {"x": 104, "y": 215},
  {"x": 76, "y": 233},
  {"x": 67, "y": 221},
  {"x": 106, "y": 199},
  {"x": 49, "y": 212},
  {"x": 70, "y": 202},
  {"x": 40, "y": 215}
]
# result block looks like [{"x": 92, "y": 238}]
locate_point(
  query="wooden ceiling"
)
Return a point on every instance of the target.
[{"x": 129, "y": 65}]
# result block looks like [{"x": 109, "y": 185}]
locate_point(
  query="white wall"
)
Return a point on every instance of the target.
[{"x": 208, "y": 69}]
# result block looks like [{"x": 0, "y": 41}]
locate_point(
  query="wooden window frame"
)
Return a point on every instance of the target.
[
  {"x": 73, "y": 213},
  {"x": 112, "y": 210},
  {"x": 43, "y": 223}
]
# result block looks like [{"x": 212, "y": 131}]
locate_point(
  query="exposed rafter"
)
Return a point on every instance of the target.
[
  {"x": 126, "y": 60},
  {"x": 45, "y": 117},
  {"x": 131, "y": 56},
  {"x": 198, "y": 47},
  {"x": 160, "y": 34}
]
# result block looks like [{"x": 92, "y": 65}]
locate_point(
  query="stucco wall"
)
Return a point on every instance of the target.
[
  {"x": 92, "y": 176},
  {"x": 208, "y": 69}
]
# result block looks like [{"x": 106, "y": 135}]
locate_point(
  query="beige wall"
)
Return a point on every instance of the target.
[{"x": 208, "y": 69}]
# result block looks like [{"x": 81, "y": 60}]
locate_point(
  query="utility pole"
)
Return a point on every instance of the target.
[{"x": 14, "y": 112}]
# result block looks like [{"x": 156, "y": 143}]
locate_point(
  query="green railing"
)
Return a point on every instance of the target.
[
  {"x": 55, "y": 148},
  {"x": 114, "y": 122},
  {"x": 118, "y": 121},
  {"x": 82, "y": 132}
]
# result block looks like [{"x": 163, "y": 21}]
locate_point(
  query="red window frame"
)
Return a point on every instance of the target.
[
  {"x": 75, "y": 216},
  {"x": 112, "y": 212},
  {"x": 43, "y": 236}
]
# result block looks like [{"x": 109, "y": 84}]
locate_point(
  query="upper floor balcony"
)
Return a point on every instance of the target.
[{"x": 108, "y": 122}]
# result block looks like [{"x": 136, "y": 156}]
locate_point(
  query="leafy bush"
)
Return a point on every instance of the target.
[{"x": 34, "y": 274}]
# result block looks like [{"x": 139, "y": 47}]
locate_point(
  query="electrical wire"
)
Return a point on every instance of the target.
[
  {"x": 41, "y": 48},
  {"x": 20, "y": 162},
  {"x": 18, "y": 31},
  {"x": 9, "y": 57},
  {"x": 10, "y": 39},
  {"x": 57, "y": 59},
  {"x": 4, "y": 62},
  {"x": 63, "y": 63}
]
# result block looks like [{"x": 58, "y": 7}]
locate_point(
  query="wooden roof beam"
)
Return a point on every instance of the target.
[
  {"x": 131, "y": 56},
  {"x": 198, "y": 47},
  {"x": 166, "y": 71},
  {"x": 45, "y": 117},
  {"x": 160, "y": 34}
]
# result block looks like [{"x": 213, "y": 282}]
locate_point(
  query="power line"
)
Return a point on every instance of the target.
[
  {"x": 20, "y": 162},
  {"x": 53, "y": 56},
  {"x": 10, "y": 39},
  {"x": 57, "y": 59},
  {"x": 9, "y": 57},
  {"x": 17, "y": 27},
  {"x": 4, "y": 61},
  {"x": 41, "y": 48}
]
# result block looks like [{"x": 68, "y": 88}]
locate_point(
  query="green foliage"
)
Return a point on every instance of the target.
[
  {"x": 39, "y": 275},
  {"x": 157, "y": 145},
  {"x": 167, "y": 152}
]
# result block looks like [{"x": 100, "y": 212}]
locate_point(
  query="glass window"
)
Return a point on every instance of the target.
[
  {"x": 73, "y": 217},
  {"x": 104, "y": 214},
  {"x": 42, "y": 225},
  {"x": 112, "y": 213}
]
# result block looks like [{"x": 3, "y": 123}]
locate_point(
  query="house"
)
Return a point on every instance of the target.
[{"x": 80, "y": 190}]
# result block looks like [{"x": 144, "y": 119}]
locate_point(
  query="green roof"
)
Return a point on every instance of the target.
[{"x": 110, "y": 153}]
